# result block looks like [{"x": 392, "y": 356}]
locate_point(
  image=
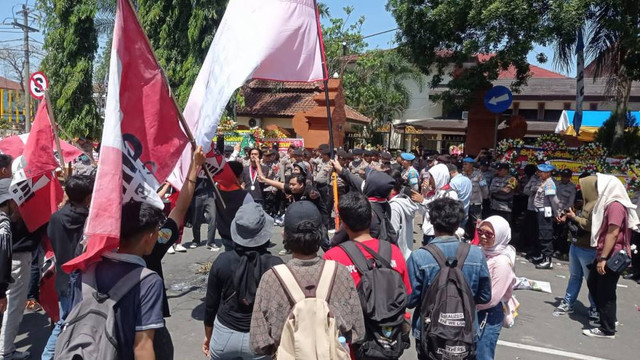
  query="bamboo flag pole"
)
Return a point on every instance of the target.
[{"x": 54, "y": 128}]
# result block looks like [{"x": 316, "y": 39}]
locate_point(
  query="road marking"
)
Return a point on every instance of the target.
[{"x": 548, "y": 351}]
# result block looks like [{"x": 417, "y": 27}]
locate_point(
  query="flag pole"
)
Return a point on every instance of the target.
[
  {"x": 325, "y": 76},
  {"x": 54, "y": 128},
  {"x": 183, "y": 122}
]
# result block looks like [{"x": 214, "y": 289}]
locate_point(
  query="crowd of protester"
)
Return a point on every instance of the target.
[{"x": 355, "y": 268}]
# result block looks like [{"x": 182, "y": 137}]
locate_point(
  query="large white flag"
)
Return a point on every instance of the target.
[{"x": 260, "y": 39}]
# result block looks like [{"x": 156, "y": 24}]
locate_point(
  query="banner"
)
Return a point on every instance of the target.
[{"x": 283, "y": 144}]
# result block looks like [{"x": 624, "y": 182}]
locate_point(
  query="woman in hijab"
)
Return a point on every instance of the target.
[
  {"x": 495, "y": 235},
  {"x": 437, "y": 188},
  {"x": 613, "y": 218}
]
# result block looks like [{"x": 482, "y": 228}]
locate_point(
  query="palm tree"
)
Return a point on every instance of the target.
[{"x": 612, "y": 28}]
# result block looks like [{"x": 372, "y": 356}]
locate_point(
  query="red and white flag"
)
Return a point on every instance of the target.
[
  {"x": 34, "y": 186},
  {"x": 141, "y": 140},
  {"x": 261, "y": 39},
  {"x": 14, "y": 146}
]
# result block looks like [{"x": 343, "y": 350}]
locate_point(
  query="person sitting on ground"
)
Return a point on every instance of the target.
[
  {"x": 303, "y": 234},
  {"x": 446, "y": 215},
  {"x": 232, "y": 284},
  {"x": 495, "y": 235}
]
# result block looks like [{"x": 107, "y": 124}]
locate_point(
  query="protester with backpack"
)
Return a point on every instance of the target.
[
  {"x": 460, "y": 268},
  {"x": 377, "y": 188},
  {"x": 233, "y": 281},
  {"x": 403, "y": 212},
  {"x": 380, "y": 275},
  {"x": 495, "y": 235},
  {"x": 309, "y": 308}
]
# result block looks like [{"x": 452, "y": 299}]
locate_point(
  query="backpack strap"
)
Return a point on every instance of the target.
[
  {"x": 289, "y": 283},
  {"x": 461, "y": 254},
  {"x": 128, "y": 282},
  {"x": 437, "y": 254},
  {"x": 325, "y": 284},
  {"x": 357, "y": 257},
  {"x": 383, "y": 256}
]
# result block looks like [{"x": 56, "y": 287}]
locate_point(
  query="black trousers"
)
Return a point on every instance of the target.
[
  {"x": 529, "y": 232},
  {"x": 635, "y": 258},
  {"x": 603, "y": 290},
  {"x": 560, "y": 234},
  {"x": 545, "y": 235},
  {"x": 203, "y": 211},
  {"x": 162, "y": 344}
]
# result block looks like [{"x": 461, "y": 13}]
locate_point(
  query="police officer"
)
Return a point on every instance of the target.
[
  {"x": 322, "y": 178},
  {"x": 547, "y": 205},
  {"x": 479, "y": 190},
  {"x": 359, "y": 165},
  {"x": 344, "y": 158},
  {"x": 566, "y": 197},
  {"x": 501, "y": 191}
]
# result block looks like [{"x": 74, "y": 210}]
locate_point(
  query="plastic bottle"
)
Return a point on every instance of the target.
[{"x": 343, "y": 342}]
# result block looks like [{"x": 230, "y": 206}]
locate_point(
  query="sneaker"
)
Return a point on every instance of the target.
[
  {"x": 17, "y": 355},
  {"x": 597, "y": 333},
  {"x": 170, "y": 250},
  {"x": 594, "y": 315},
  {"x": 546, "y": 264},
  {"x": 284, "y": 252},
  {"x": 535, "y": 259},
  {"x": 180, "y": 248},
  {"x": 215, "y": 248},
  {"x": 563, "y": 309},
  {"x": 193, "y": 245}
]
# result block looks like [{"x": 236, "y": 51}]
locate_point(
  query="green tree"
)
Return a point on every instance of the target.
[
  {"x": 631, "y": 136},
  {"x": 71, "y": 43}
]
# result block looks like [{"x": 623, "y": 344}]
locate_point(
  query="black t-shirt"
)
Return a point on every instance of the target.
[
  {"x": 169, "y": 234},
  {"x": 258, "y": 187}
]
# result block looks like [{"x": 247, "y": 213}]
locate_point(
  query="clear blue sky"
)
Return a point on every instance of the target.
[{"x": 11, "y": 38}]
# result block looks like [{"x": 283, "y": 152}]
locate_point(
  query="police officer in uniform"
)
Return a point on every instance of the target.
[
  {"x": 322, "y": 178},
  {"x": 502, "y": 189}
]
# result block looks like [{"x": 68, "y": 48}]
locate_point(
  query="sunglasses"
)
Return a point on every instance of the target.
[{"x": 487, "y": 234}]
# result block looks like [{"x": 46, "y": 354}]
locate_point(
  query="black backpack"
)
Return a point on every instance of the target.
[
  {"x": 383, "y": 297},
  {"x": 387, "y": 231},
  {"x": 447, "y": 311}
]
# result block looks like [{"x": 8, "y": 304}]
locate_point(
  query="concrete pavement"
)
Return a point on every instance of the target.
[{"x": 536, "y": 335}]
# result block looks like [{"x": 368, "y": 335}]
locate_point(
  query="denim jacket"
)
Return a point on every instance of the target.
[{"x": 423, "y": 268}]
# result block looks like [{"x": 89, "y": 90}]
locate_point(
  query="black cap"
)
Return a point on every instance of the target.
[
  {"x": 349, "y": 156},
  {"x": 501, "y": 166},
  {"x": 368, "y": 153},
  {"x": 323, "y": 146},
  {"x": 385, "y": 155},
  {"x": 325, "y": 151},
  {"x": 272, "y": 152},
  {"x": 341, "y": 153},
  {"x": 302, "y": 166},
  {"x": 298, "y": 152},
  {"x": 228, "y": 149},
  {"x": 307, "y": 153},
  {"x": 375, "y": 152},
  {"x": 566, "y": 172},
  {"x": 358, "y": 151},
  {"x": 485, "y": 163},
  {"x": 299, "y": 212}
]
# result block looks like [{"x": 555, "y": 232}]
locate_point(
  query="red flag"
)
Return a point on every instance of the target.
[
  {"x": 34, "y": 187},
  {"x": 141, "y": 140},
  {"x": 14, "y": 146}
]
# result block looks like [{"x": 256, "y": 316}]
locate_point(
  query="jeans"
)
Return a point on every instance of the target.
[
  {"x": 65, "y": 308},
  {"x": 579, "y": 261},
  {"x": 228, "y": 344},
  {"x": 16, "y": 298},
  {"x": 488, "y": 336},
  {"x": 603, "y": 289}
]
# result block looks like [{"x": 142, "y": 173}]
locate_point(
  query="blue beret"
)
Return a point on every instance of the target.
[
  {"x": 546, "y": 167},
  {"x": 469, "y": 160},
  {"x": 407, "y": 156}
]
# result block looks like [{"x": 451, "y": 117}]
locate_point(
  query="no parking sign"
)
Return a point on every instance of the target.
[{"x": 38, "y": 84}]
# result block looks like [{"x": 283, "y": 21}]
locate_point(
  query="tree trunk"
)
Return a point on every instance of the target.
[{"x": 622, "y": 105}]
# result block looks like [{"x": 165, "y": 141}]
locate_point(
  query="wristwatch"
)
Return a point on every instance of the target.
[{"x": 602, "y": 258}]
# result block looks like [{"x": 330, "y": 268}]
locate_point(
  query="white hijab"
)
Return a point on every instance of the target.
[
  {"x": 440, "y": 175},
  {"x": 610, "y": 189},
  {"x": 501, "y": 246}
]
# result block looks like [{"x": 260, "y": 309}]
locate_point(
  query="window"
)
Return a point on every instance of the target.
[
  {"x": 540, "y": 111},
  {"x": 552, "y": 115},
  {"x": 528, "y": 114}
]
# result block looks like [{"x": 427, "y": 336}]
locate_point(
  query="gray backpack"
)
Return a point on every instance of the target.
[{"x": 89, "y": 332}]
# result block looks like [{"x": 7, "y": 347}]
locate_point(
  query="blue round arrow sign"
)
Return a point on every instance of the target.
[{"x": 498, "y": 99}]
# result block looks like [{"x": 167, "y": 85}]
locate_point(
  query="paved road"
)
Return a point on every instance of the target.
[{"x": 537, "y": 334}]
